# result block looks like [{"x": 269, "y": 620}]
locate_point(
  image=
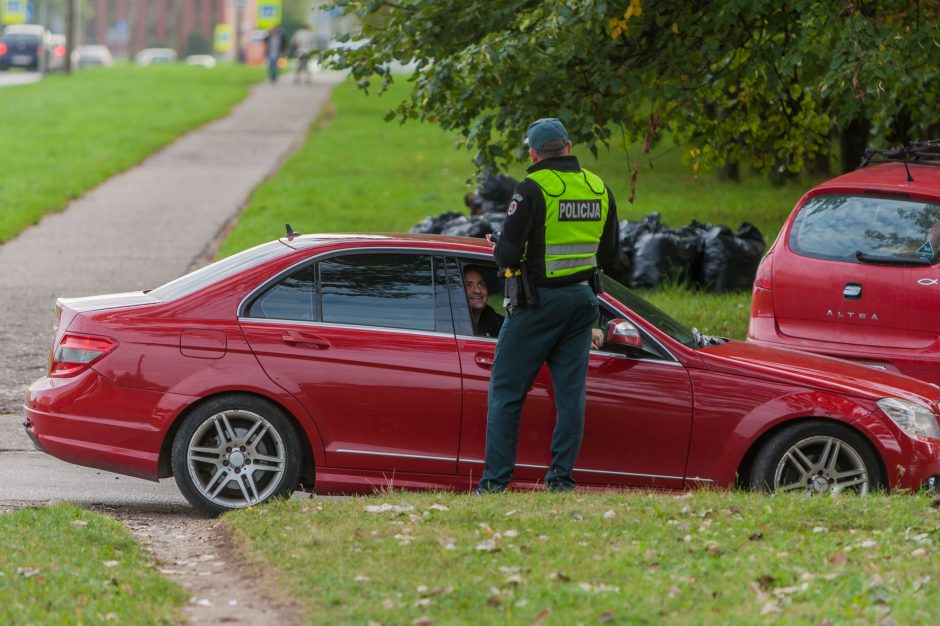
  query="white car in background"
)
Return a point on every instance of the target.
[
  {"x": 153, "y": 56},
  {"x": 91, "y": 56}
]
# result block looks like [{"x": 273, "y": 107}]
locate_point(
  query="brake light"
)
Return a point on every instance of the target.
[
  {"x": 59, "y": 51},
  {"x": 76, "y": 353},
  {"x": 764, "y": 277},
  {"x": 3, "y": 49}
]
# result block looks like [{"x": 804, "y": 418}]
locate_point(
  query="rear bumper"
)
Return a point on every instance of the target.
[
  {"x": 924, "y": 366},
  {"x": 90, "y": 421}
]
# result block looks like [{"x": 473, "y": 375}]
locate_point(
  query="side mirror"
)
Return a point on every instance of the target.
[{"x": 622, "y": 333}]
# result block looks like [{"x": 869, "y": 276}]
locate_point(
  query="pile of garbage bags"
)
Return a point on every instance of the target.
[{"x": 714, "y": 258}]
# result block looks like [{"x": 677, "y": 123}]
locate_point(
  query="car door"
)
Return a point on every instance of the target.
[
  {"x": 638, "y": 415},
  {"x": 370, "y": 352}
]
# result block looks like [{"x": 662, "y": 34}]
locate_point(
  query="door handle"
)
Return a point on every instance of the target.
[
  {"x": 296, "y": 338},
  {"x": 484, "y": 359}
]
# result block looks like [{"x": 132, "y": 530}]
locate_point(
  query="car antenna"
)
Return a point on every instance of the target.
[{"x": 290, "y": 232}]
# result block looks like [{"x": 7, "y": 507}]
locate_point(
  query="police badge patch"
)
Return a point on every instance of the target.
[{"x": 512, "y": 208}]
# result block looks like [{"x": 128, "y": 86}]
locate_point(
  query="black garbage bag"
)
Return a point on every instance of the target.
[
  {"x": 668, "y": 255},
  {"x": 730, "y": 260},
  {"x": 434, "y": 225},
  {"x": 630, "y": 231},
  {"x": 495, "y": 191}
]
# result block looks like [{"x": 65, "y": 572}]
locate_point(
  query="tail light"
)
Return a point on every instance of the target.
[
  {"x": 39, "y": 50},
  {"x": 762, "y": 301},
  {"x": 764, "y": 278},
  {"x": 59, "y": 51},
  {"x": 76, "y": 353},
  {"x": 3, "y": 49}
]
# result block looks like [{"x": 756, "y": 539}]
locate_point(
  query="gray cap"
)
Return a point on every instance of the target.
[{"x": 547, "y": 135}]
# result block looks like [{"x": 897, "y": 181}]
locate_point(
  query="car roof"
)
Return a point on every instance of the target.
[
  {"x": 461, "y": 244},
  {"x": 889, "y": 177}
]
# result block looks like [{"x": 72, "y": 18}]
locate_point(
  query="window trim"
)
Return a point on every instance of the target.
[{"x": 241, "y": 312}]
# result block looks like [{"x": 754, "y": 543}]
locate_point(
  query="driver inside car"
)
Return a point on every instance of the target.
[{"x": 486, "y": 321}]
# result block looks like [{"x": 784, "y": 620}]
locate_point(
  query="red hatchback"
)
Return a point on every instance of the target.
[
  {"x": 855, "y": 271},
  {"x": 348, "y": 363}
]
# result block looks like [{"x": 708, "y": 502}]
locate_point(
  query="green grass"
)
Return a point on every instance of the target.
[
  {"x": 66, "y": 134},
  {"x": 63, "y": 565},
  {"x": 358, "y": 173},
  {"x": 621, "y": 558}
]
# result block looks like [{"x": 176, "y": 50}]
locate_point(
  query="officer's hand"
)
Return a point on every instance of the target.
[{"x": 597, "y": 339}]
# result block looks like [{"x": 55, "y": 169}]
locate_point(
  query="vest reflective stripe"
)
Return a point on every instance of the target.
[
  {"x": 572, "y": 248},
  {"x": 576, "y": 208},
  {"x": 561, "y": 264}
]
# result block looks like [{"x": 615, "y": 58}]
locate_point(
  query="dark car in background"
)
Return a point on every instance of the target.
[
  {"x": 855, "y": 270},
  {"x": 23, "y": 46}
]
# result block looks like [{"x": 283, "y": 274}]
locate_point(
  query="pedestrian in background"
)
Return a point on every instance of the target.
[
  {"x": 274, "y": 42},
  {"x": 302, "y": 46},
  {"x": 561, "y": 224}
]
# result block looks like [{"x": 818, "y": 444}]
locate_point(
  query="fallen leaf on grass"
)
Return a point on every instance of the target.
[
  {"x": 820, "y": 529},
  {"x": 765, "y": 582},
  {"x": 27, "y": 572},
  {"x": 918, "y": 552},
  {"x": 609, "y": 515},
  {"x": 543, "y": 615},
  {"x": 361, "y": 579},
  {"x": 79, "y": 522},
  {"x": 424, "y": 620},
  {"x": 439, "y": 507},
  {"x": 487, "y": 546},
  {"x": 770, "y": 607},
  {"x": 447, "y": 543},
  {"x": 559, "y": 576},
  {"x": 756, "y": 537},
  {"x": 606, "y": 617},
  {"x": 782, "y": 592},
  {"x": 385, "y": 508},
  {"x": 511, "y": 533},
  {"x": 713, "y": 548},
  {"x": 839, "y": 559}
]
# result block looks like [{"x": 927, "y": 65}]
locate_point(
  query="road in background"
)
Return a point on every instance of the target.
[{"x": 136, "y": 231}]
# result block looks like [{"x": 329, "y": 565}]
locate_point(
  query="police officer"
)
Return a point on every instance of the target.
[{"x": 561, "y": 223}]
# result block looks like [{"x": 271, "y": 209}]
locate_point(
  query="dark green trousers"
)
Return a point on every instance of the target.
[{"x": 557, "y": 332}]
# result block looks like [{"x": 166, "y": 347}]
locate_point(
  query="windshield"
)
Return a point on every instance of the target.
[
  {"x": 868, "y": 229},
  {"x": 219, "y": 270},
  {"x": 681, "y": 333}
]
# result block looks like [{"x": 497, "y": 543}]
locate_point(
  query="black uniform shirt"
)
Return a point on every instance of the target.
[{"x": 524, "y": 231}]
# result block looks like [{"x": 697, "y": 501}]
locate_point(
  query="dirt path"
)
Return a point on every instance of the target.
[{"x": 200, "y": 555}]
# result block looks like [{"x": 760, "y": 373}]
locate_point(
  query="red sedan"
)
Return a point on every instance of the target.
[{"x": 348, "y": 363}]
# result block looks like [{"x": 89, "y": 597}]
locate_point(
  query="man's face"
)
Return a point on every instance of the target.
[{"x": 476, "y": 289}]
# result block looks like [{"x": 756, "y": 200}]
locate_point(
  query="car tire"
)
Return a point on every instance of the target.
[
  {"x": 816, "y": 457},
  {"x": 235, "y": 451}
]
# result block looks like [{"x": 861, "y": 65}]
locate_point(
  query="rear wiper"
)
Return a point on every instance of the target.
[{"x": 891, "y": 260}]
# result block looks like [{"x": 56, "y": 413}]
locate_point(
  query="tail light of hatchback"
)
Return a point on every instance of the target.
[
  {"x": 75, "y": 353},
  {"x": 762, "y": 303},
  {"x": 3, "y": 49}
]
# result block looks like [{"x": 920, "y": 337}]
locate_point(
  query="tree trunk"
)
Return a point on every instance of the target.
[{"x": 853, "y": 141}]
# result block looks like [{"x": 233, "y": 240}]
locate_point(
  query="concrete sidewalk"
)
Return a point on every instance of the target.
[{"x": 143, "y": 227}]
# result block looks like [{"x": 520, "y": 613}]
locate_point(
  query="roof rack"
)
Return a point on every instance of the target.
[{"x": 916, "y": 152}]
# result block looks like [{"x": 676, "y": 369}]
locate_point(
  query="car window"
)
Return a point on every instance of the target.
[
  {"x": 487, "y": 274},
  {"x": 219, "y": 270},
  {"x": 859, "y": 228},
  {"x": 292, "y": 298},
  {"x": 661, "y": 320},
  {"x": 387, "y": 289}
]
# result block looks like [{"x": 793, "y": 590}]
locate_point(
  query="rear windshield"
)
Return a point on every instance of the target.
[
  {"x": 229, "y": 266},
  {"x": 22, "y": 38},
  {"x": 860, "y": 229}
]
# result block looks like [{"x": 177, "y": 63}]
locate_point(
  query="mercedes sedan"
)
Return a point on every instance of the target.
[{"x": 347, "y": 363}]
